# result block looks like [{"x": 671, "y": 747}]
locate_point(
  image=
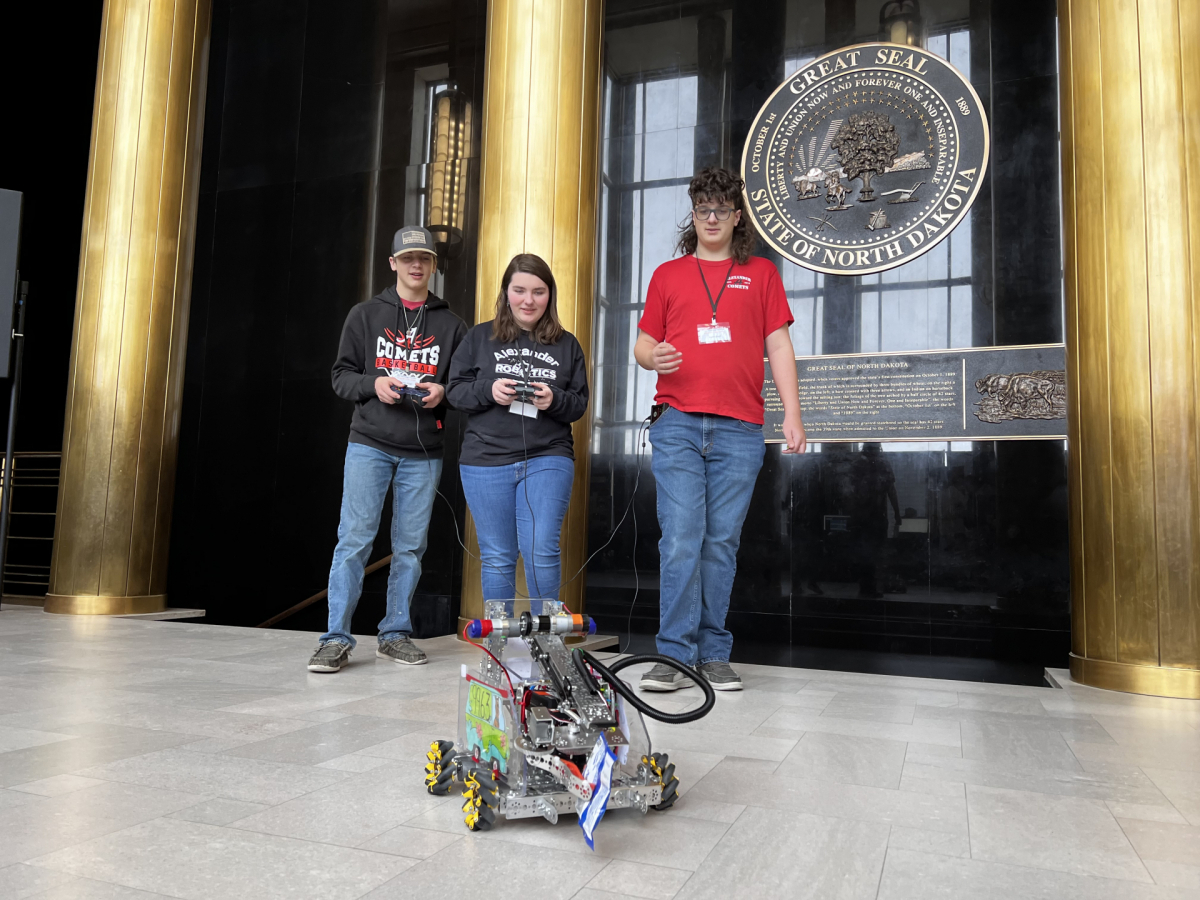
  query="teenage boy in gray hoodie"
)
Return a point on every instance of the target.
[{"x": 393, "y": 363}]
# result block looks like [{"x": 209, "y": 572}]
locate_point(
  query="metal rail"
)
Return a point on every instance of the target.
[{"x": 319, "y": 596}]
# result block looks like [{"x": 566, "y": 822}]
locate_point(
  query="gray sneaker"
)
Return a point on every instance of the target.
[
  {"x": 402, "y": 650},
  {"x": 330, "y": 657},
  {"x": 721, "y": 676},
  {"x": 663, "y": 678}
]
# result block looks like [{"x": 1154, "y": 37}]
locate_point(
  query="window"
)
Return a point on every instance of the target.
[
  {"x": 647, "y": 164},
  {"x": 648, "y": 160}
]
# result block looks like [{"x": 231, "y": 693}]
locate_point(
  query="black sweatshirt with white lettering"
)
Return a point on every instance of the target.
[
  {"x": 382, "y": 337},
  {"x": 496, "y": 435}
]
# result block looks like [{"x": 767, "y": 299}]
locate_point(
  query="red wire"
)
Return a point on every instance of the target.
[{"x": 512, "y": 691}]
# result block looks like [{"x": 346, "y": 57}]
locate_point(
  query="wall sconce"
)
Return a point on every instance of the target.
[
  {"x": 449, "y": 155},
  {"x": 900, "y": 22}
]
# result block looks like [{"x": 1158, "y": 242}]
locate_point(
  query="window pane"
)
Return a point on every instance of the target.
[
  {"x": 960, "y": 316},
  {"x": 960, "y": 249}
]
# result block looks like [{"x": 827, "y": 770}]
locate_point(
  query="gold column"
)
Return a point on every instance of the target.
[
  {"x": 1130, "y": 83},
  {"x": 131, "y": 310},
  {"x": 540, "y": 180}
]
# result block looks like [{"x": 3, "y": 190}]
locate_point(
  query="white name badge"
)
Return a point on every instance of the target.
[
  {"x": 714, "y": 333},
  {"x": 528, "y": 410}
]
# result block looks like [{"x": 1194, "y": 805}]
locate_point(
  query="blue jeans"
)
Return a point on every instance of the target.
[
  {"x": 414, "y": 484},
  {"x": 520, "y": 507},
  {"x": 705, "y": 467}
]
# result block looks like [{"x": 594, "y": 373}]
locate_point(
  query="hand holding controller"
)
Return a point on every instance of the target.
[
  {"x": 525, "y": 392},
  {"x": 502, "y": 391}
]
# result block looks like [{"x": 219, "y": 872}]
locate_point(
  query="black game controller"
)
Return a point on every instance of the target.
[
  {"x": 525, "y": 392},
  {"x": 406, "y": 391}
]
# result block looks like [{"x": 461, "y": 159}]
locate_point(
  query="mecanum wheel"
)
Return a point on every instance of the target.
[
  {"x": 664, "y": 770},
  {"x": 480, "y": 800},
  {"x": 438, "y": 771}
]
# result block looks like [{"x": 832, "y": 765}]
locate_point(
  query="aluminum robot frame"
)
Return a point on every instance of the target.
[{"x": 536, "y": 717}]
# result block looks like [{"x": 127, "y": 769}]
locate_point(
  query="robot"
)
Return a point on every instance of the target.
[{"x": 546, "y": 730}]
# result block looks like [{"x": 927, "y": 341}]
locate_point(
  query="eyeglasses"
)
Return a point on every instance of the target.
[{"x": 701, "y": 213}]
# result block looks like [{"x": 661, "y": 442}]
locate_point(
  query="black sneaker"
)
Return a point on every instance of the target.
[
  {"x": 402, "y": 650},
  {"x": 663, "y": 678},
  {"x": 330, "y": 657},
  {"x": 721, "y": 676}
]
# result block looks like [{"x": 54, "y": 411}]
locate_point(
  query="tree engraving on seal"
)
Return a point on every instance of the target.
[
  {"x": 867, "y": 144},
  {"x": 859, "y": 162}
]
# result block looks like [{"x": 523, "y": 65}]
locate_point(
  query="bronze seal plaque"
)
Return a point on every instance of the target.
[{"x": 865, "y": 159}]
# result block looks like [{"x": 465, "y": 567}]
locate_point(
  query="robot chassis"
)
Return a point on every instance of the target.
[{"x": 533, "y": 713}]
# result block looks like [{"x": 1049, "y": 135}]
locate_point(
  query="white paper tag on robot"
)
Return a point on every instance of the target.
[{"x": 599, "y": 772}]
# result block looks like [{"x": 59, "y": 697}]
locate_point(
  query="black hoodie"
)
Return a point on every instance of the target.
[
  {"x": 381, "y": 337},
  {"x": 496, "y": 437}
]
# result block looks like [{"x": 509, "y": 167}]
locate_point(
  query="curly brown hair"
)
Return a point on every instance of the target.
[
  {"x": 548, "y": 328},
  {"x": 717, "y": 185}
]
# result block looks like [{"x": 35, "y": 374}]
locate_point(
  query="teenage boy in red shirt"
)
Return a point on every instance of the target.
[{"x": 708, "y": 316}]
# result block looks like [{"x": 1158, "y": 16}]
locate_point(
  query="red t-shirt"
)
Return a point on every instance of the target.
[{"x": 723, "y": 379}]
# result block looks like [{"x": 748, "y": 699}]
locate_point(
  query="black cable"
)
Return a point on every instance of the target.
[
  {"x": 643, "y": 436},
  {"x": 613, "y": 534},
  {"x": 583, "y": 659}
]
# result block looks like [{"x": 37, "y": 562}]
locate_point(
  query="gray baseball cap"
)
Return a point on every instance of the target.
[{"x": 412, "y": 237}]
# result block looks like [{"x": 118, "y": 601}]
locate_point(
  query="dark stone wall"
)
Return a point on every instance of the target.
[
  {"x": 48, "y": 69},
  {"x": 825, "y": 579},
  {"x": 307, "y": 145}
]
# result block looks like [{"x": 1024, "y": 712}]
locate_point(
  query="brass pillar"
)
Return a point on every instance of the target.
[
  {"x": 1130, "y": 81},
  {"x": 540, "y": 180},
  {"x": 131, "y": 310}
]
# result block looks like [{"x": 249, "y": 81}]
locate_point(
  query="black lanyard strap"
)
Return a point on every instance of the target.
[
  {"x": 522, "y": 361},
  {"x": 711, "y": 302}
]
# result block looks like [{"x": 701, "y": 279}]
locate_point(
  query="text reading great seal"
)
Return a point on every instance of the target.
[{"x": 865, "y": 159}]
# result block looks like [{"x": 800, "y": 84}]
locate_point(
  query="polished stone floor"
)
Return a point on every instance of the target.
[{"x": 163, "y": 759}]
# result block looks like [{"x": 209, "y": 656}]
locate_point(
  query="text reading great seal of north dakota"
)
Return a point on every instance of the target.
[{"x": 865, "y": 159}]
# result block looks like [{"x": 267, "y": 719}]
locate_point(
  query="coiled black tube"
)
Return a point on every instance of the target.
[{"x": 581, "y": 657}]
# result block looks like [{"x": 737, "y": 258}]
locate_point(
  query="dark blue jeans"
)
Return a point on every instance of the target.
[
  {"x": 705, "y": 467},
  {"x": 519, "y": 508},
  {"x": 368, "y": 474}
]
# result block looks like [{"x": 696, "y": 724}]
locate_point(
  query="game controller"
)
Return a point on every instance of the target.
[
  {"x": 406, "y": 391},
  {"x": 525, "y": 392}
]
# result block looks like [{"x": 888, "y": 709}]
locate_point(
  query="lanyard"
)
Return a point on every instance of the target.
[
  {"x": 711, "y": 302},
  {"x": 526, "y": 368}
]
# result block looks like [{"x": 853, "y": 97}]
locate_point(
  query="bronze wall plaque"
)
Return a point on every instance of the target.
[
  {"x": 980, "y": 394},
  {"x": 865, "y": 159}
]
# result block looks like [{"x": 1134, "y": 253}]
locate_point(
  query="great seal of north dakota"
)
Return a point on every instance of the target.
[{"x": 865, "y": 159}]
